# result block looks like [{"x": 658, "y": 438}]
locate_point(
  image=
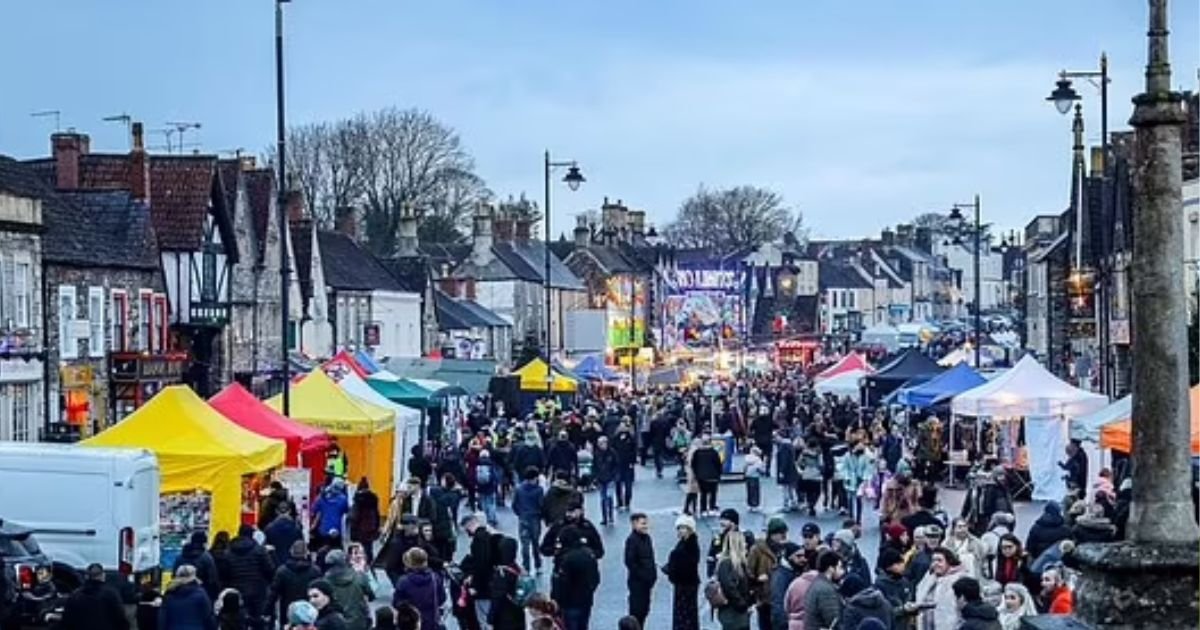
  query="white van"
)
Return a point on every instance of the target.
[{"x": 85, "y": 505}]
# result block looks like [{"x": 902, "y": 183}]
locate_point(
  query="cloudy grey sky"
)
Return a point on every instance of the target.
[{"x": 861, "y": 113}]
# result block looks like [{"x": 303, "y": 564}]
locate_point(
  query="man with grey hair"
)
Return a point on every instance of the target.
[{"x": 351, "y": 590}]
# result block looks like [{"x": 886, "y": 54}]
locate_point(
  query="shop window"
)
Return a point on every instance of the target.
[
  {"x": 160, "y": 321},
  {"x": 119, "y": 311},
  {"x": 21, "y": 408},
  {"x": 95, "y": 321},
  {"x": 68, "y": 345},
  {"x": 145, "y": 321},
  {"x": 21, "y": 282}
]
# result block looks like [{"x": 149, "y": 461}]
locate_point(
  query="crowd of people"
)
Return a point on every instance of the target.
[{"x": 440, "y": 547}]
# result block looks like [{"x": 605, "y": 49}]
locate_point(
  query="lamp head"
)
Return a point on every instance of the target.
[
  {"x": 574, "y": 178},
  {"x": 1063, "y": 95}
]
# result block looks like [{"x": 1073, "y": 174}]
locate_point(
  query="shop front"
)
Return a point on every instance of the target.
[
  {"x": 797, "y": 352},
  {"x": 135, "y": 378},
  {"x": 21, "y": 382}
]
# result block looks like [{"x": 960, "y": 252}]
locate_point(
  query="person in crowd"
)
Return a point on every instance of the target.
[
  {"x": 576, "y": 578},
  {"x": 967, "y": 547},
  {"x": 507, "y": 611},
  {"x": 822, "y": 602},
  {"x": 1057, "y": 597},
  {"x": 925, "y": 513},
  {"x": 329, "y": 512},
  {"x": 988, "y": 496},
  {"x": 560, "y": 498},
  {"x": 1075, "y": 468},
  {"x": 195, "y": 554},
  {"x": 1047, "y": 530},
  {"x": 528, "y": 453},
  {"x": 640, "y": 567},
  {"x": 691, "y": 496},
  {"x": 385, "y": 619},
  {"x": 730, "y": 525},
  {"x": 336, "y": 462},
  {"x": 785, "y": 468},
  {"x": 936, "y": 590},
  {"x": 420, "y": 588},
  {"x": 706, "y": 466},
  {"x": 487, "y": 485},
  {"x": 574, "y": 518},
  {"x": 604, "y": 471},
  {"x": 797, "y": 595},
  {"x": 896, "y": 588},
  {"x": 810, "y": 472},
  {"x": 926, "y": 539},
  {"x": 329, "y": 611},
  {"x": 625, "y": 445},
  {"x": 733, "y": 579},
  {"x": 845, "y": 545},
  {"x": 96, "y": 606},
  {"x": 419, "y": 465},
  {"x": 1017, "y": 604},
  {"x": 447, "y": 496},
  {"x": 479, "y": 565},
  {"x": 405, "y": 535},
  {"x": 863, "y": 602},
  {"x": 1009, "y": 567},
  {"x": 857, "y": 470},
  {"x": 527, "y": 504},
  {"x": 901, "y": 495},
  {"x": 301, "y": 616},
  {"x": 791, "y": 565},
  {"x": 659, "y": 439},
  {"x": 351, "y": 590},
  {"x": 683, "y": 571},
  {"x": 562, "y": 457},
  {"x": 761, "y": 561},
  {"x": 754, "y": 469},
  {"x": 810, "y": 537},
  {"x": 1093, "y": 526},
  {"x": 895, "y": 537},
  {"x": 974, "y": 613},
  {"x": 365, "y": 520},
  {"x": 251, "y": 571},
  {"x": 281, "y": 533},
  {"x": 230, "y": 612},
  {"x": 185, "y": 606},
  {"x": 1000, "y": 524},
  {"x": 291, "y": 580},
  {"x": 219, "y": 550}
]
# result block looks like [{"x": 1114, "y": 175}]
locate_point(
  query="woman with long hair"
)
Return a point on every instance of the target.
[
  {"x": 1010, "y": 561},
  {"x": 732, "y": 576},
  {"x": 1017, "y": 603}
]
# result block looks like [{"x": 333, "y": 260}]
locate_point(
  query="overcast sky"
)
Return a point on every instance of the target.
[{"x": 862, "y": 114}]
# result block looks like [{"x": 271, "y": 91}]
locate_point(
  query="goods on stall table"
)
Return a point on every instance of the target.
[
  {"x": 180, "y": 514},
  {"x": 298, "y": 483}
]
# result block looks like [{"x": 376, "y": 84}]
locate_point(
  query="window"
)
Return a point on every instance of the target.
[
  {"x": 145, "y": 335},
  {"x": 120, "y": 320},
  {"x": 96, "y": 321},
  {"x": 68, "y": 345},
  {"x": 160, "y": 326},
  {"x": 22, "y": 426},
  {"x": 208, "y": 280},
  {"x": 21, "y": 282}
]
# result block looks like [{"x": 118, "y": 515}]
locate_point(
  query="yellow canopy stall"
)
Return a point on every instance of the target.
[
  {"x": 533, "y": 379},
  {"x": 364, "y": 431},
  {"x": 197, "y": 449}
]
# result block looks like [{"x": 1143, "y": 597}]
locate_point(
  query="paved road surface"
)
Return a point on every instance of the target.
[{"x": 662, "y": 500}]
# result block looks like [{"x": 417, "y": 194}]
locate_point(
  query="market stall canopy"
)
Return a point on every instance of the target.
[
  {"x": 368, "y": 363},
  {"x": 1028, "y": 389},
  {"x": 344, "y": 361},
  {"x": 197, "y": 449},
  {"x": 844, "y": 385},
  {"x": 592, "y": 368},
  {"x": 534, "y": 375},
  {"x": 318, "y": 402},
  {"x": 906, "y": 367},
  {"x": 1087, "y": 428},
  {"x": 359, "y": 388},
  {"x": 241, "y": 407},
  {"x": 848, "y": 363},
  {"x": 1117, "y": 434},
  {"x": 472, "y": 375},
  {"x": 940, "y": 388}
]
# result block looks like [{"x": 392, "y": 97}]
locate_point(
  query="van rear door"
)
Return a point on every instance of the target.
[{"x": 143, "y": 516}]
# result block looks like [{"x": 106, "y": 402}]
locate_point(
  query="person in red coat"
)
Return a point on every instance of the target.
[{"x": 1056, "y": 595}]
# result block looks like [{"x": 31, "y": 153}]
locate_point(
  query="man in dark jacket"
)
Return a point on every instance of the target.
[
  {"x": 926, "y": 539},
  {"x": 551, "y": 546},
  {"x": 1076, "y": 467},
  {"x": 1047, "y": 530},
  {"x": 292, "y": 580},
  {"x": 792, "y": 563},
  {"x": 196, "y": 554},
  {"x": 975, "y": 613},
  {"x": 184, "y": 604},
  {"x": 250, "y": 572},
  {"x": 924, "y": 515},
  {"x": 987, "y": 497},
  {"x": 268, "y": 510},
  {"x": 480, "y": 563},
  {"x": 94, "y": 606},
  {"x": 822, "y": 602},
  {"x": 560, "y": 498},
  {"x": 856, "y": 564},
  {"x": 605, "y": 470},
  {"x": 640, "y": 567},
  {"x": 527, "y": 505},
  {"x": 895, "y": 587},
  {"x": 576, "y": 578},
  {"x": 529, "y": 453},
  {"x": 281, "y": 533},
  {"x": 562, "y": 457},
  {"x": 660, "y": 430},
  {"x": 351, "y": 591},
  {"x": 625, "y": 446},
  {"x": 863, "y": 602},
  {"x": 706, "y": 466}
]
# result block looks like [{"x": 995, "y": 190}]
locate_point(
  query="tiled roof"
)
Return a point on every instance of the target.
[
  {"x": 348, "y": 266},
  {"x": 20, "y": 180},
  {"x": 100, "y": 228},
  {"x": 412, "y": 272},
  {"x": 838, "y": 276},
  {"x": 513, "y": 260},
  {"x": 451, "y": 315},
  {"x": 301, "y": 235},
  {"x": 260, "y": 190},
  {"x": 518, "y": 264},
  {"x": 181, "y": 191},
  {"x": 489, "y": 317},
  {"x": 97, "y": 171}
]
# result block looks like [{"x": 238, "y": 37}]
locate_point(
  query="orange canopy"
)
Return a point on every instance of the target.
[{"x": 1119, "y": 436}]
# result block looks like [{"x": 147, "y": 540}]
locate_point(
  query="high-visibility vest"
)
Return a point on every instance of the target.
[{"x": 336, "y": 465}]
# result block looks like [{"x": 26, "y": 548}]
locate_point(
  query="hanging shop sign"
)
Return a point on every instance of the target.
[
  {"x": 707, "y": 279},
  {"x": 20, "y": 370}
]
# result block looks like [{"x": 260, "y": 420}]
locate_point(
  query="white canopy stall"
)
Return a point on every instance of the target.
[
  {"x": 844, "y": 385},
  {"x": 1031, "y": 392}
]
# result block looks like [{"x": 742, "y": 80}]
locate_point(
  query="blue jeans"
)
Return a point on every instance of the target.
[
  {"x": 625, "y": 487},
  {"x": 530, "y": 532},
  {"x": 577, "y": 618},
  {"x": 489, "y": 507},
  {"x": 606, "y": 502},
  {"x": 482, "y": 608}
]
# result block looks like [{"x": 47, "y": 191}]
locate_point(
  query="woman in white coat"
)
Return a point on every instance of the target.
[{"x": 935, "y": 592}]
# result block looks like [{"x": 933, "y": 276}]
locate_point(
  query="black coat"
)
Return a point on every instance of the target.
[
  {"x": 331, "y": 618},
  {"x": 525, "y": 456},
  {"x": 280, "y": 534},
  {"x": 365, "y": 520},
  {"x": 481, "y": 564},
  {"x": 250, "y": 569},
  {"x": 639, "y": 561},
  {"x": 979, "y": 616},
  {"x": 206, "y": 568},
  {"x": 604, "y": 465},
  {"x": 1047, "y": 530},
  {"x": 706, "y": 464},
  {"x": 549, "y": 546},
  {"x": 683, "y": 565},
  {"x": 291, "y": 584},
  {"x": 563, "y": 456},
  {"x": 626, "y": 448},
  {"x": 576, "y": 578},
  {"x": 95, "y": 607},
  {"x": 186, "y": 607}
]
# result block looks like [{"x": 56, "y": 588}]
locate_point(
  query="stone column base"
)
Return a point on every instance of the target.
[{"x": 1137, "y": 585}]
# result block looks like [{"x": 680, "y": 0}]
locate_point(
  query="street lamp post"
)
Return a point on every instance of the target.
[
  {"x": 573, "y": 179},
  {"x": 281, "y": 207},
  {"x": 1063, "y": 96},
  {"x": 956, "y": 219}
]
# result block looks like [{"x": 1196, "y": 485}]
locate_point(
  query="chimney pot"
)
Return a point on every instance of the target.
[
  {"x": 66, "y": 149},
  {"x": 139, "y": 165}
]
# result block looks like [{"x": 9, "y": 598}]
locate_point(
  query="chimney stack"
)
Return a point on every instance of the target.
[
  {"x": 139, "y": 165},
  {"x": 345, "y": 221},
  {"x": 887, "y": 237},
  {"x": 481, "y": 235},
  {"x": 247, "y": 163},
  {"x": 522, "y": 229},
  {"x": 407, "y": 244},
  {"x": 502, "y": 225},
  {"x": 637, "y": 222},
  {"x": 294, "y": 206},
  {"x": 66, "y": 147},
  {"x": 583, "y": 233}
]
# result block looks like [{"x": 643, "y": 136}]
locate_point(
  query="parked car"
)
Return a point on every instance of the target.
[{"x": 39, "y": 586}]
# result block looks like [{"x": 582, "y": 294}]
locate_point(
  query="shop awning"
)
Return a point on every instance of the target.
[
  {"x": 534, "y": 376},
  {"x": 940, "y": 388}
]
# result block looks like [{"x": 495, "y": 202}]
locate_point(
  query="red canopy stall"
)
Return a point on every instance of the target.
[{"x": 305, "y": 445}]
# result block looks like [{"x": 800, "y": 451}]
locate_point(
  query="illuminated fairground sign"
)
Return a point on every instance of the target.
[{"x": 707, "y": 279}]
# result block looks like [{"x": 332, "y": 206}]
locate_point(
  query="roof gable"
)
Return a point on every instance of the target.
[
  {"x": 184, "y": 190},
  {"x": 348, "y": 266}
]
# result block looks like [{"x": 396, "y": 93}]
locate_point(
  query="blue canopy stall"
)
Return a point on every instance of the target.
[
  {"x": 592, "y": 368},
  {"x": 942, "y": 387}
]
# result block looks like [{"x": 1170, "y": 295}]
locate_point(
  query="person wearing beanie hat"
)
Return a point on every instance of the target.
[
  {"x": 301, "y": 614},
  {"x": 291, "y": 580},
  {"x": 329, "y": 612},
  {"x": 791, "y": 565},
  {"x": 350, "y": 589},
  {"x": 863, "y": 602},
  {"x": 683, "y": 571},
  {"x": 895, "y": 587},
  {"x": 856, "y": 564},
  {"x": 729, "y": 522},
  {"x": 195, "y": 554}
]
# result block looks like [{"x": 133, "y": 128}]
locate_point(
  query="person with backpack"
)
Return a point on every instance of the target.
[
  {"x": 576, "y": 578},
  {"x": 640, "y": 566},
  {"x": 511, "y": 588},
  {"x": 487, "y": 485},
  {"x": 728, "y": 592},
  {"x": 420, "y": 588}
]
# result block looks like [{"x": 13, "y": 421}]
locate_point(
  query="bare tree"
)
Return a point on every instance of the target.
[{"x": 729, "y": 219}]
